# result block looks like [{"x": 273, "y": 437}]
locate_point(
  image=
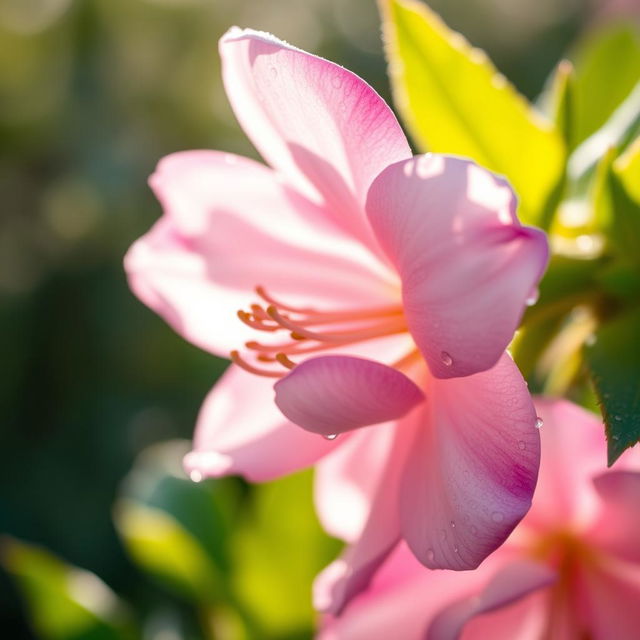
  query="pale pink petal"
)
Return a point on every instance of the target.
[
  {"x": 347, "y": 480},
  {"x": 618, "y": 526},
  {"x": 610, "y": 595},
  {"x": 229, "y": 225},
  {"x": 525, "y": 619},
  {"x": 514, "y": 581},
  {"x": 467, "y": 265},
  {"x": 403, "y": 598},
  {"x": 240, "y": 431},
  {"x": 350, "y": 574},
  {"x": 565, "y": 495},
  {"x": 470, "y": 477},
  {"x": 318, "y": 124},
  {"x": 329, "y": 395}
]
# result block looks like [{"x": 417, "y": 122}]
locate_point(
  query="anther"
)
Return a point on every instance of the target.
[
  {"x": 237, "y": 359},
  {"x": 284, "y": 361}
]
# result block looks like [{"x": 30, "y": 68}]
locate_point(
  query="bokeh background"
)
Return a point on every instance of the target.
[{"x": 98, "y": 395}]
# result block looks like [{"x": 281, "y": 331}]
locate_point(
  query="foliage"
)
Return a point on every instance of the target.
[{"x": 100, "y": 389}]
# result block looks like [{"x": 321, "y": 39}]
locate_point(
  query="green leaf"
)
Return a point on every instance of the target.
[
  {"x": 561, "y": 101},
  {"x": 618, "y": 132},
  {"x": 627, "y": 166},
  {"x": 161, "y": 546},
  {"x": 614, "y": 364},
  {"x": 174, "y": 528},
  {"x": 64, "y": 602},
  {"x": 616, "y": 213},
  {"x": 278, "y": 551},
  {"x": 607, "y": 67},
  {"x": 454, "y": 101}
]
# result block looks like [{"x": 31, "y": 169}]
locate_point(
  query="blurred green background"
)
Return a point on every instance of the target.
[{"x": 92, "y": 94}]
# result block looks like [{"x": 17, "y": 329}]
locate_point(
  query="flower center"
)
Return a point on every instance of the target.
[{"x": 310, "y": 330}]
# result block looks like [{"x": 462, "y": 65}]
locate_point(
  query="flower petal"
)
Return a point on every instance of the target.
[
  {"x": 618, "y": 526},
  {"x": 609, "y": 594},
  {"x": 470, "y": 477},
  {"x": 240, "y": 431},
  {"x": 193, "y": 269},
  {"x": 333, "y": 394},
  {"x": 513, "y": 582},
  {"x": 400, "y": 601},
  {"x": 325, "y": 129},
  {"x": 565, "y": 495},
  {"x": 467, "y": 265},
  {"x": 347, "y": 480},
  {"x": 350, "y": 574}
]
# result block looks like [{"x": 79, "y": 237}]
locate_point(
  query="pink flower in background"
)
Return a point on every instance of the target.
[
  {"x": 372, "y": 287},
  {"x": 571, "y": 569}
]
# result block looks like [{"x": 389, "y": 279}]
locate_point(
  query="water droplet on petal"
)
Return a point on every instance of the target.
[
  {"x": 522, "y": 445},
  {"x": 431, "y": 556},
  {"x": 533, "y": 298},
  {"x": 330, "y": 436},
  {"x": 196, "y": 476},
  {"x": 453, "y": 524},
  {"x": 273, "y": 72},
  {"x": 447, "y": 360},
  {"x": 455, "y": 550},
  {"x": 539, "y": 423},
  {"x": 497, "y": 516}
]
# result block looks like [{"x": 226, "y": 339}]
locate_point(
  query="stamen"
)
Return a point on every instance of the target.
[
  {"x": 317, "y": 317},
  {"x": 254, "y": 323},
  {"x": 237, "y": 359},
  {"x": 349, "y": 327},
  {"x": 260, "y": 290},
  {"x": 284, "y": 361},
  {"x": 300, "y": 333}
]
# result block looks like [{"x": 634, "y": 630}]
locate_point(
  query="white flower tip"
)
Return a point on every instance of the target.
[{"x": 206, "y": 464}]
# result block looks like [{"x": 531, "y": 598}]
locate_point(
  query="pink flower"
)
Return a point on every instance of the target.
[
  {"x": 352, "y": 264},
  {"x": 571, "y": 569}
]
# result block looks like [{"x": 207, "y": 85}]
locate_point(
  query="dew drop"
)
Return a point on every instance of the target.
[
  {"x": 456, "y": 550},
  {"x": 497, "y": 516},
  {"x": 273, "y": 72},
  {"x": 330, "y": 436},
  {"x": 453, "y": 524},
  {"x": 196, "y": 476},
  {"x": 447, "y": 360},
  {"x": 522, "y": 445},
  {"x": 533, "y": 298},
  {"x": 617, "y": 418},
  {"x": 539, "y": 423},
  {"x": 431, "y": 556}
]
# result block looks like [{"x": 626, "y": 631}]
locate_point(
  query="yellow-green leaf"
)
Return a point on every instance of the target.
[
  {"x": 454, "y": 101},
  {"x": 64, "y": 602},
  {"x": 160, "y": 545},
  {"x": 607, "y": 64},
  {"x": 627, "y": 166}
]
